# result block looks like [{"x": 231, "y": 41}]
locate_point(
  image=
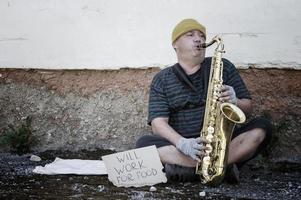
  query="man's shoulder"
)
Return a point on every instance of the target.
[
  {"x": 229, "y": 67},
  {"x": 227, "y": 62},
  {"x": 164, "y": 73},
  {"x": 208, "y": 60}
]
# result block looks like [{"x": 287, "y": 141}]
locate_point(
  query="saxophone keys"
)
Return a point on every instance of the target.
[{"x": 210, "y": 130}]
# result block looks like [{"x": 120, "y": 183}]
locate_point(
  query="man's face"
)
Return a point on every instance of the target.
[{"x": 189, "y": 44}]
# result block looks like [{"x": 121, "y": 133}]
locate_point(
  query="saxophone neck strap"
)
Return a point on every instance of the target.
[
  {"x": 186, "y": 81},
  {"x": 183, "y": 77}
]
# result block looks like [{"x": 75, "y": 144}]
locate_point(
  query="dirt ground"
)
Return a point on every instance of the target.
[{"x": 283, "y": 181}]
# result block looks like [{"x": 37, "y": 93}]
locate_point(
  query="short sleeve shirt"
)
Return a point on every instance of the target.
[{"x": 170, "y": 98}]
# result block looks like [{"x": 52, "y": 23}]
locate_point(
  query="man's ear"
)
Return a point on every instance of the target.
[{"x": 174, "y": 45}]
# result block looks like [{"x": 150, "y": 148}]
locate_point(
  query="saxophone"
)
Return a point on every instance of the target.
[{"x": 219, "y": 122}]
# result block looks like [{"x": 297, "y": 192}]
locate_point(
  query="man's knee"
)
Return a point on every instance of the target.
[
  {"x": 257, "y": 135},
  {"x": 168, "y": 148},
  {"x": 142, "y": 141},
  {"x": 262, "y": 132},
  {"x": 148, "y": 140}
]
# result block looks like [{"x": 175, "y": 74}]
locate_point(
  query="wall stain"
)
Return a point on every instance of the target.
[
  {"x": 12, "y": 39},
  {"x": 244, "y": 34}
]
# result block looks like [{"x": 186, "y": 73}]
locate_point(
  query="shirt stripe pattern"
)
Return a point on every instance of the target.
[{"x": 184, "y": 108}]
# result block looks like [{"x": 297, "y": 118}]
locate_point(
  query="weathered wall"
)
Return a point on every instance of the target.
[
  {"x": 77, "y": 109},
  {"x": 87, "y": 109},
  {"x": 107, "y": 34}
]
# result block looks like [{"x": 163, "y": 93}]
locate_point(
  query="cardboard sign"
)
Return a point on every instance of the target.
[{"x": 137, "y": 167}]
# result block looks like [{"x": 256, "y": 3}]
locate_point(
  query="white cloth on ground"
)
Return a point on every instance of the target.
[{"x": 72, "y": 166}]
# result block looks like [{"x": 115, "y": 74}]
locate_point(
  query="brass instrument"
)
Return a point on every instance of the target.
[{"x": 219, "y": 122}]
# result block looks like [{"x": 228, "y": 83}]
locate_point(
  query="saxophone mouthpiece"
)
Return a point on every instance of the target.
[
  {"x": 202, "y": 46},
  {"x": 205, "y": 45}
]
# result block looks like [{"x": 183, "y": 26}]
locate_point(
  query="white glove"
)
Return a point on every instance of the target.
[
  {"x": 228, "y": 94},
  {"x": 191, "y": 147}
]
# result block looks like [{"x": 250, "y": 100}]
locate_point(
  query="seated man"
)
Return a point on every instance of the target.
[{"x": 177, "y": 103}]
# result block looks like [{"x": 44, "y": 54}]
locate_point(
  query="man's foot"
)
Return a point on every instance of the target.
[
  {"x": 180, "y": 173},
  {"x": 232, "y": 174}
]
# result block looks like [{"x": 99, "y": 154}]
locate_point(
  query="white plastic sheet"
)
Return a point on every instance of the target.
[{"x": 72, "y": 166}]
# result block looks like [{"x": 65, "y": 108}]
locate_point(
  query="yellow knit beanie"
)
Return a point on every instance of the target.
[{"x": 186, "y": 25}]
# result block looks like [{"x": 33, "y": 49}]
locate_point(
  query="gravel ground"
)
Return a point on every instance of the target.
[{"x": 18, "y": 182}]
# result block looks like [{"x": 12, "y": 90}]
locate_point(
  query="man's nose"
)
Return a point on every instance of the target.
[{"x": 197, "y": 39}]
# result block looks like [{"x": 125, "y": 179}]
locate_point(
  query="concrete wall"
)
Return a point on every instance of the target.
[
  {"x": 107, "y": 34},
  {"x": 104, "y": 108}
]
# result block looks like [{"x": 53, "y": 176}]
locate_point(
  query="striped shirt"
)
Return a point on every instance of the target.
[{"x": 170, "y": 98}]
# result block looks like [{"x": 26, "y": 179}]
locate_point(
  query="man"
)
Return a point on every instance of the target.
[{"x": 177, "y": 104}]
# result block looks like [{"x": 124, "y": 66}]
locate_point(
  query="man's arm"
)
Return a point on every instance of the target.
[
  {"x": 161, "y": 127},
  {"x": 192, "y": 147},
  {"x": 245, "y": 105},
  {"x": 228, "y": 95}
]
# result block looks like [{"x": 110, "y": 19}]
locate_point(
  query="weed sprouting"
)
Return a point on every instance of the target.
[{"x": 19, "y": 139}]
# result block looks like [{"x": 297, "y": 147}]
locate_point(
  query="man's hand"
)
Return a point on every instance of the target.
[
  {"x": 228, "y": 95},
  {"x": 192, "y": 147}
]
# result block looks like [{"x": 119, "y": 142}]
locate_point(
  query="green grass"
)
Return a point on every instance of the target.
[{"x": 19, "y": 139}]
